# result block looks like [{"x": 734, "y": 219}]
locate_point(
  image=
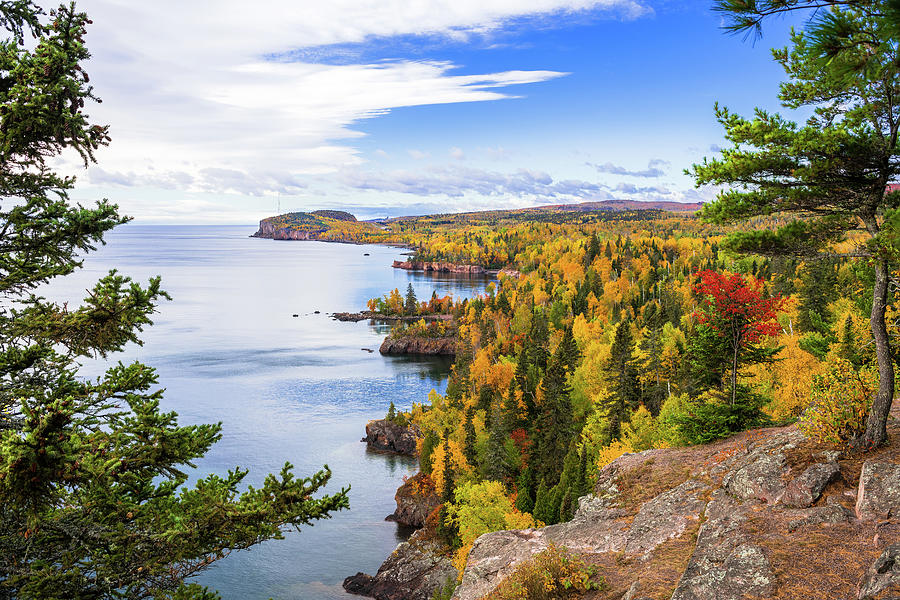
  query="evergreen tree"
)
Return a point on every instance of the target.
[
  {"x": 555, "y": 427},
  {"x": 391, "y": 413},
  {"x": 525, "y": 492},
  {"x": 93, "y": 494},
  {"x": 496, "y": 462},
  {"x": 568, "y": 353},
  {"x": 449, "y": 475},
  {"x": 654, "y": 393},
  {"x": 411, "y": 307},
  {"x": 543, "y": 505},
  {"x": 621, "y": 373},
  {"x": 469, "y": 428}
]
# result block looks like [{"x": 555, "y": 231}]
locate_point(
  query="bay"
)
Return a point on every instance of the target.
[{"x": 285, "y": 388}]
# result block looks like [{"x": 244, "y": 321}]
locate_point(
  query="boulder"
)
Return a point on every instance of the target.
[
  {"x": 883, "y": 575},
  {"x": 819, "y": 515},
  {"x": 386, "y": 436},
  {"x": 414, "y": 571},
  {"x": 758, "y": 477},
  {"x": 879, "y": 490},
  {"x": 806, "y": 488}
]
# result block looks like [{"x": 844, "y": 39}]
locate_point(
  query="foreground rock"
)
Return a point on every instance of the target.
[
  {"x": 442, "y": 346},
  {"x": 766, "y": 514},
  {"x": 386, "y": 436},
  {"x": 414, "y": 571}
]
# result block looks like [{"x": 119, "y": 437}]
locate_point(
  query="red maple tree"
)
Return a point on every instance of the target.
[{"x": 737, "y": 311}]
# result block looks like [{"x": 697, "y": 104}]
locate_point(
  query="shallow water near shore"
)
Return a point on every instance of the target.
[{"x": 285, "y": 388}]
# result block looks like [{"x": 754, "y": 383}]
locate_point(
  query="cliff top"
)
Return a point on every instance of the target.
[{"x": 766, "y": 513}]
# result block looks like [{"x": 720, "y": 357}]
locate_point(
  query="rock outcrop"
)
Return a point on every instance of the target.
[
  {"x": 440, "y": 346},
  {"x": 416, "y": 499},
  {"x": 766, "y": 514},
  {"x": 414, "y": 571},
  {"x": 447, "y": 267},
  {"x": 386, "y": 436}
]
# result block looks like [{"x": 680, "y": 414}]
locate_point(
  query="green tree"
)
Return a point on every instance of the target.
[
  {"x": 411, "y": 307},
  {"x": 93, "y": 502},
  {"x": 621, "y": 373},
  {"x": 832, "y": 172}
]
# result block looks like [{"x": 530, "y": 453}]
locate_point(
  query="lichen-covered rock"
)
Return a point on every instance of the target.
[
  {"x": 666, "y": 517},
  {"x": 724, "y": 566},
  {"x": 414, "y": 571},
  {"x": 416, "y": 499},
  {"x": 879, "y": 490},
  {"x": 385, "y": 436},
  {"x": 759, "y": 477},
  {"x": 806, "y": 488},
  {"x": 883, "y": 577},
  {"x": 819, "y": 515}
]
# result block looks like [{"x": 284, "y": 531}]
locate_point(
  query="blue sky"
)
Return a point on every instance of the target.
[{"x": 389, "y": 107}]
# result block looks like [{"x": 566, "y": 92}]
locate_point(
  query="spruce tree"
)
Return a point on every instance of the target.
[
  {"x": 621, "y": 374},
  {"x": 411, "y": 307},
  {"x": 555, "y": 426},
  {"x": 93, "y": 495},
  {"x": 469, "y": 428}
]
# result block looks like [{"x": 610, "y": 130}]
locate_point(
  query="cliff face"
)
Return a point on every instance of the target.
[
  {"x": 765, "y": 514},
  {"x": 414, "y": 571},
  {"x": 385, "y": 436},
  {"x": 446, "y": 267},
  {"x": 416, "y": 499},
  {"x": 419, "y": 345},
  {"x": 270, "y": 230}
]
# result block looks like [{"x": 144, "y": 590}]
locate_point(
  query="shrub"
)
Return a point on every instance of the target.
[
  {"x": 553, "y": 574},
  {"x": 711, "y": 417},
  {"x": 841, "y": 397}
]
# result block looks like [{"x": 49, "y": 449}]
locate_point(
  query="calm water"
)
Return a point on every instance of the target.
[{"x": 299, "y": 389}]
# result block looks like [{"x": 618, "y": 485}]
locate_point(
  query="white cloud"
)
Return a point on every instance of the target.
[
  {"x": 194, "y": 104},
  {"x": 417, "y": 154},
  {"x": 457, "y": 153}
]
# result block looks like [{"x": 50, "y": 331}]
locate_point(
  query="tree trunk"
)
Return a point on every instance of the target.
[
  {"x": 734, "y": 365},
  {"x": 876, "y": 432}
]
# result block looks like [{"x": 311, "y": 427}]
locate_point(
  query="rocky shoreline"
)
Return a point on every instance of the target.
[
  {"x": 447, "y": 267},
  {"x": 441, "y": 346},
  {"x": 366, "y": 315}
]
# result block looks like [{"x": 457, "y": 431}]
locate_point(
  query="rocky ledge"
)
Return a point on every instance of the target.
[
  {"x": 766, "y": 514},
  {"x": 386, "y": 436},
  {"x": 416, "y": 570},
  {"x": 370, "y": 315},
  {"x": 445, "y": 346},
  {"x": 446, "y": 267},
  {"x": 416, "y": 499}
]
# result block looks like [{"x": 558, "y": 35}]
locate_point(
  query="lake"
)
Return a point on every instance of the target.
[{"x": 285, "y": 388}]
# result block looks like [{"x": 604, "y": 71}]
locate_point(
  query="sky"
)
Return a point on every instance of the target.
[{"x": 229, "y": 112}]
